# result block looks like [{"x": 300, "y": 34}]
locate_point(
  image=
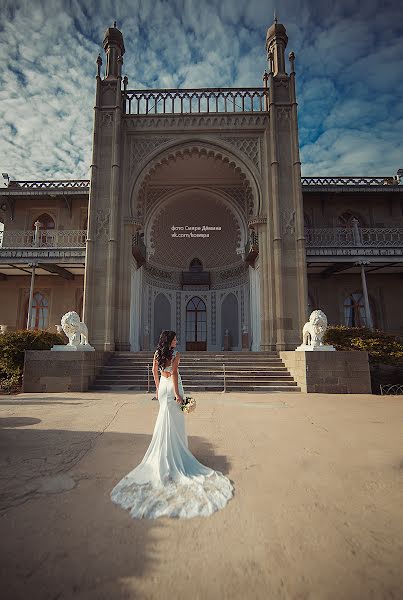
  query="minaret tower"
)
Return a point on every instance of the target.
[
  {"x": 286, "y": 242},
  {"x": 105, "y": 239}
]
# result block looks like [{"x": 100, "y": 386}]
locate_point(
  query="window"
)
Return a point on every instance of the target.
[
  {"x": 196, "y": 320},
  {"x": 39, "y": 318},
  {"x": 354, "y": 311},
  {"x": 1, "y": 233},
  {"x": 46, "y": 224}
]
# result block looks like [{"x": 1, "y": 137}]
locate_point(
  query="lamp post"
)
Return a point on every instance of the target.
[{"x": 37, "y": 224}]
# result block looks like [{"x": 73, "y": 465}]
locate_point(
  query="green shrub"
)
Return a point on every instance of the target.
[
  {"x": 12, "y": 348},
  {"x": 381, "y": 347}
]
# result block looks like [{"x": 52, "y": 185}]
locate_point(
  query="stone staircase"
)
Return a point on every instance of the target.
[{"x": 200, "y": 371}]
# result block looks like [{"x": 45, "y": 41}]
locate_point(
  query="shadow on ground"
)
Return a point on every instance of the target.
[{"x": 60, "y": 534}]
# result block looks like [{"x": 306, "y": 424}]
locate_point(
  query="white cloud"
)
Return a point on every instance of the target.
[{"x": 349, "y": 65}]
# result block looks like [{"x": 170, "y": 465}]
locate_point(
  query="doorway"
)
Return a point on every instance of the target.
[{"x": 196, "y": 325}]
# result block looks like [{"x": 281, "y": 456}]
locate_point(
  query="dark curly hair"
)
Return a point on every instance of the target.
[{"x": 164, "y": 351}]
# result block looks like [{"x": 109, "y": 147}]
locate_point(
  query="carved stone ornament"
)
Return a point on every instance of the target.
[
  {"x": 106, "y": 119},
  {"x": 77, "y": 333},
  {"x": 195, "y": 121},
  {"x": 283, "y": 113},
  {"x": 256, "y": 220},
  {"x": 313, "y": 333},
  {"x": 287, "y": 218},
  {"x": 102, "y": 223},
  {"x": 142, "y": 147},
  {"x": 249, "y": 146}
]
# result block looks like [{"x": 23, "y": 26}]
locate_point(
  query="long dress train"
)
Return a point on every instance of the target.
[{"x": 170, "y": 481}]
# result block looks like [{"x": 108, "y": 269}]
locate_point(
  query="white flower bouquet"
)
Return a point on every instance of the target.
[{"x": 188, "y": 404}]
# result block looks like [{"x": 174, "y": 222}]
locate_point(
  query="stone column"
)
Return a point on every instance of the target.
[
  {"x": 260, "y": 225},
  {"x": 302, "y": 277}
]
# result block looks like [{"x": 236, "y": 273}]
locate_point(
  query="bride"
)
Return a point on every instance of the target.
[{"x": 170, "y": 481}]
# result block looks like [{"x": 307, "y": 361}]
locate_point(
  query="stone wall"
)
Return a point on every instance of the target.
[
  {"x": 50, "y": 371},
  {"x": 329, "y": 372}
]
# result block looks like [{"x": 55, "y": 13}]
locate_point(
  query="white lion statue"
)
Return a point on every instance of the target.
[
  {"x": 75, "y": 330},
  {"x": 314, "y": 330}
]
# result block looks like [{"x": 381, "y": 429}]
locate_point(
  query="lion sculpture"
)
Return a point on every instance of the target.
[
  {"x": 75, "y": 330},
  {"x": 314, "y": 330}
]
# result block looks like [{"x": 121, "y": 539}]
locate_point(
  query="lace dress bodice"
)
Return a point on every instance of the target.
[{"x": 170, "y": 366}]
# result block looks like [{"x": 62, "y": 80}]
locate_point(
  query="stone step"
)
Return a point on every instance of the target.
[
  {"x": 202, "y": 353},
  {"x": 116, "y": 369},
  {"x": 287, "y": 380},
  {"x": 189, "y": 359},
  {"x": 200, "y": 371},
  {"x": 201, "y": 388}
]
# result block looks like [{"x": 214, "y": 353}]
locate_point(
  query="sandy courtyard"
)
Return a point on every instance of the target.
[{"x": 317, "y": 512}]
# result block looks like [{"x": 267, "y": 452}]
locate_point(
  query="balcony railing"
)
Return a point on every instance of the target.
[
  {"x": 52, "y": 184},
  {"x": 194, "y": 101},
  {"x": 349, "y": 181},
  {"x": 339, "y": 237},
  {"x": 46, "y": 239}
]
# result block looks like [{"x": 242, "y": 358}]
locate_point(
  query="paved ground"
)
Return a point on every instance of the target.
[{"x": 317, "y": 512}]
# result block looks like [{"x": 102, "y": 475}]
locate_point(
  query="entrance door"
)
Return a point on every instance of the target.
[{"x": 196, "y": 325}]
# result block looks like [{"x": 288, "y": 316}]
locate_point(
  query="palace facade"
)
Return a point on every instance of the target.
[{"x": 196, "y": 218}]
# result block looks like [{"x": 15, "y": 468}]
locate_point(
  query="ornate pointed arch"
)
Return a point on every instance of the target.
[{"x": 207, "y": 148}]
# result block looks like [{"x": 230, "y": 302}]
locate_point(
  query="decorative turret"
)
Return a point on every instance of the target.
[
  {"x": 276, "y": 43},
  {"x": 114, "y": 49}
]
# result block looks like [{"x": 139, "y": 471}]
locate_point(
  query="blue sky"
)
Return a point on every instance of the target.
[{"x": 349, "y": 65}]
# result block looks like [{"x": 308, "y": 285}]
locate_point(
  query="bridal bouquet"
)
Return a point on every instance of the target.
[{"x": 188, "y": 404}]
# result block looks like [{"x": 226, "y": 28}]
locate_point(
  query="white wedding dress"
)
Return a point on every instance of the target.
[{"x": 170, "y": 481}]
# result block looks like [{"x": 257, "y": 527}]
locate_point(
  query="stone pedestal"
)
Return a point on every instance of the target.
[
  {"x": 46, "y": 371},
  {"x": 306, "y": 348},
  {"x": 329, "y": 372},
  {"x": 68, "y": 348}
]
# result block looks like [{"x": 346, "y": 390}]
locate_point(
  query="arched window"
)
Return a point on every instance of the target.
[
  {"x": 39, "y": 318},
  {"x": 46, "y": 224},
  {"x": 354, "y": 310},
  {"x": 229, "y": 318}
]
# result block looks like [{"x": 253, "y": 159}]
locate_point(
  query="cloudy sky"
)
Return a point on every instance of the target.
[{"x": 349, "y": 64}]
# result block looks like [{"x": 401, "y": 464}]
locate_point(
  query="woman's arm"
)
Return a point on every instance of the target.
[
  {"x": 155, "y": 372},
  {"x": 175, "y": 366}
]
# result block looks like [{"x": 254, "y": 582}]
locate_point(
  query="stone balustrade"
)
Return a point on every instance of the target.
[
  {"x": 53, "y": 238},
  {"x": 194, "y": 101}
]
